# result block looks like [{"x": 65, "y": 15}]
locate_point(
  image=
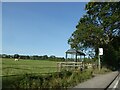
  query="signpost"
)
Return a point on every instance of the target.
[{"x": 100, "y": 53}]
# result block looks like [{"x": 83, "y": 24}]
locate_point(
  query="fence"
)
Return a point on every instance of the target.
[{"x": 69, "y": 65}]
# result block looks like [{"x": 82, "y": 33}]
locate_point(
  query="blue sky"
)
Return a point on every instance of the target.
[{"x": 39, "y": 28}]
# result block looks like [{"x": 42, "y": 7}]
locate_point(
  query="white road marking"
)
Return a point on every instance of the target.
[{"x": 115, "y": 86}]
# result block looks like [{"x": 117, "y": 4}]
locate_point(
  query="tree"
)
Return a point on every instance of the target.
[
  {"x": 16, "y": 56},
  {"x": 45, "y": 57},
  {"x": 52, "y": 57},
  {"x": 99, "y": 27},
  {"x": 4, "y": 55}
]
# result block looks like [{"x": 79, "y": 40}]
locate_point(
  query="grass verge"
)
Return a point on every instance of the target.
[{"x": 59, "y": 80}]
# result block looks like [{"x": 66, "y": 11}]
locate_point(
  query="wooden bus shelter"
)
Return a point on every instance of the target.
[
  {"x": 74, "y": 52},
  {"x": 70, "y": 65}
]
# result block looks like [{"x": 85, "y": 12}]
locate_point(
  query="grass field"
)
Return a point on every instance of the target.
[
  {"x": 11, "y": 67},
  {"x": 27, "y": 74}
]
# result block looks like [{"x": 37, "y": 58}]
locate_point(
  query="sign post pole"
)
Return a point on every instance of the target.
[{"x": 99, "y": 63}]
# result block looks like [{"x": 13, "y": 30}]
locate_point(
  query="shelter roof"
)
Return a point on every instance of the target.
[{"x": 74, "y": 51}]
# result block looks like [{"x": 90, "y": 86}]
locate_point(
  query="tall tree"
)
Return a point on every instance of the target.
[{"x": 99, "y": 27}]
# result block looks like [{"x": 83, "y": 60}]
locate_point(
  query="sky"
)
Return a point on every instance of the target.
[
  {"x": 47, "y": 0},
  {"x": 41, "y": 28}
]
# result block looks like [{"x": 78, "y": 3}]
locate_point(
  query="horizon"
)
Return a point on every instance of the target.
[{"x": 41, "y": 28}]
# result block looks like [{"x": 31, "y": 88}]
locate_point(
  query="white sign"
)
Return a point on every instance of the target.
[{"x": 100, "y": 51}]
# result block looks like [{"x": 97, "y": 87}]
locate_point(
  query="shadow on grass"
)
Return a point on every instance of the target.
[
  {"x": 27, "y": 69},
  {"x": 14, "y": 68}
]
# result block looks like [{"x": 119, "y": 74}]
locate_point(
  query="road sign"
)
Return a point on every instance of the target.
[{"x": 100, "y": 51}]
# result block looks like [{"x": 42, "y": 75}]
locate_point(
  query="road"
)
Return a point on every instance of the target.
[
  {"x": 100, "y": 81},
  {"x": 118, "y": 84},
  {"x": 115, "y": 85}
]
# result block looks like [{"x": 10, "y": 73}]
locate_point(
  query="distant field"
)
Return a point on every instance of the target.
[{"x": 11, "y": 67}]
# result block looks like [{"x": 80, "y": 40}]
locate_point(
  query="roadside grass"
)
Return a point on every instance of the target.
[
  {"x": 58, "y": 80},
  {"x": 103, "y": 70}
]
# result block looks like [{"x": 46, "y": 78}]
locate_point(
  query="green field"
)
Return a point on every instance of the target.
[
  {"x": 27, "y": 74},
  {"x": 11, "y": 67}
]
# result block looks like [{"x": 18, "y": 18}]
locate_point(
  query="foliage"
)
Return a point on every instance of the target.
[
  {"x": 103, "y": 70},
  {"x": 99, "y": 27},
  {"x": 16, "y": 56},
  {"x": 63, "y": 79},
  {"x": 111, "y": 57},
  {"x": 34, "y": 57},
  {"x": 59, "y": 80}
]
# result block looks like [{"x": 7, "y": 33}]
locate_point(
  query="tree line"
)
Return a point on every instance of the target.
[{"x": 34, "y": 57}]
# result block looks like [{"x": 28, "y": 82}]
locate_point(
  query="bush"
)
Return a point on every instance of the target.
[
  {"x": 63, "y": 79},
  {"x": 101, "y": 71}
]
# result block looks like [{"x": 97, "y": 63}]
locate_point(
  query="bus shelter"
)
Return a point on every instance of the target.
[{"x": 74, "y": 52}]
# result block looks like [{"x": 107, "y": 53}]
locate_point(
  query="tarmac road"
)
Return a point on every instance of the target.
[
  {"x": 115, "y": 84},
  {"x": 119, "y": 85},
  {"x": 100, "y": 81}
]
